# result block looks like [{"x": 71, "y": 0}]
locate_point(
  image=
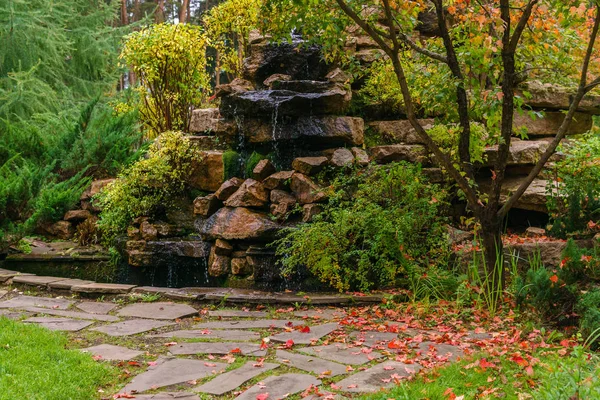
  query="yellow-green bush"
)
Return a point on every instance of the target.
[
  {"x": 149, "y": 185},
  {"x": 170, "y": 62}
]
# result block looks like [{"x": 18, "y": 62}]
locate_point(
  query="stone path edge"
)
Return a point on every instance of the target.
[{"x": 216, "y": 294}]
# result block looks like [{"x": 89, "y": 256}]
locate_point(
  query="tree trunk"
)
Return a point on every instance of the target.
[
  {"x": 493, "y": 256},
  {"x": 159, "y": 15},
  {"x": 183, "y": 14},
  {"x": 124, "y": 15},
  {"x": 137, "y": 10}
]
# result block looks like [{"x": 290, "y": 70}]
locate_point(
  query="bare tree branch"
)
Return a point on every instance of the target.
[{"x": 565, "y": 124}]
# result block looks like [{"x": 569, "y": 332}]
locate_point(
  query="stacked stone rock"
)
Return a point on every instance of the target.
[{"x": 66, "y": 228}]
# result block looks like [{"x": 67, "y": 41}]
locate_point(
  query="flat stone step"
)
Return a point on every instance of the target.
[
  {"x": 67, "y": 284},
  {"x": 440, "y": 350},
  {"x": 373, "y": 338},
  {"x": 71, "y": 314},
  {"x": 94, "y": 307},
  {"x": 59, "y": 324},
  {"x": 280, "y": 387},
  {"x": 252, "y": 324},
  {"x": 325, "y": 314},
  {"x": 241, "y": 348},
  {"x": 160, "y": 310},
  {"x": 108, "y": 288},
  {"x": 6, "y": 274},
  {"x": 131, "y": 327},
  {"x": 312, "y": 364},
  {"x": 316, "y": 333},
  {"x": 343, "y": 354},
  {"x": 232, "y": 380},
  {"x": 17, "y": 315},
  {"x": 112, "y": 353},
  {"x": 31, "y": 301},
  {"x": 168, "y": 396},
  {"x": 230, "y": 334},
  {"x": 171, "y": 371},
  {"x": 372, "y": 379},
  {"x": 34, "y": 280},
  {"x": 237, "y": 314}
]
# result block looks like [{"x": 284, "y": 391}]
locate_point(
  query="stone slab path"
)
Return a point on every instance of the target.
[{"x": 185, "y": 350}]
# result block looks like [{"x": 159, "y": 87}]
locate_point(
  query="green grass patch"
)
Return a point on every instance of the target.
[
  {"x": 34, "y": 364},
  {"x": 547, "y": 375}
]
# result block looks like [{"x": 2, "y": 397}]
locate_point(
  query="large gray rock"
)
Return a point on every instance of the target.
[
  {"x": 553, "y": 97},
  {"x": 341, "y": 158},
  {"x": 326, "y": 130},
  {"x": 533, "y": 199},
  {"x": 239, "y": 224},
  {"x": 399, "y": 152},
  {"x": 399, "y": 131},
  {"x": 548, "y": 124},
  {"x": 522, "y": 152},
  {"x": 209, "y": 121},
  {"x": 251, "y": 193}
]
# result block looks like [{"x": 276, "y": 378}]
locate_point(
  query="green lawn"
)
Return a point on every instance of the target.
[
  {"x": 34, "y": 364},
  {"x": 552, "y": 377}
]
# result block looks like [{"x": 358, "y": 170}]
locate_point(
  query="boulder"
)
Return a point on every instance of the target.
[
  {"x": 77, "y": 215},
  {"x": 522, "y": 152},
  {"x": 294, "y": 59},
  {"x": 239, "y": 224},
  {"x": 369, "y": 56},
  {"x": 279, "y": 180},
  {"x": 325, "y": 130},
  {"x": 163, "y": 252},
  {"x": 533, "y": 231},
  {"x": 321, "y": 98},
  {"x": 263, "y": 169},
  {"x": 62, "y": 230},
  {"x": 208, "y": 120},
  {"x": 548, "y": 124},
  {"x": 339, "y": 76},
  {"x": 399, "y": 131},
  {"x": 341, "y": 158},
  {"x": 399, "y": 152},
  {"x": 148, "y": 231},
  {"x": 208, "y": 172},
  {"x": 310, "y": 210},
  {"x": 228, "y": 188},
  {"x": 281, "y": 210},
  {"x": 218, "y": 265},
  {"x": 554, "y": 97},
  {"x": 236, "y": 86},
  {"x": 534, "y": 198},
  {"x": 309, "y": 165},
  {"x": 166, "y": 230},
  {"x": 280, "y": 196},
  {"x": 223, "y": 247},
  {"x": 209, "y": 142},
  {"x": 240, "y": 266},
  {"x": 251, "y": 194},
  {"x": 360, "y": 156},
  {"x": 305, "y": 190},
  {"x": 207, "y": 205}
]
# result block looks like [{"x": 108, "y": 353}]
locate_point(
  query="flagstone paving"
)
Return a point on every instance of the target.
[
  {"x": 231, "y": 380},
  {"x": 232, "y": 334},
  {"x": 187, "y": 351},
  {"x": 94, "y": 307},
  {"x": 131, "y": 327},
  {"x": 279, "y": 387},
  {"x": 59, "y": 324},
  {"x": 158, "y": 311},
  {"x": 112, "y": 353}
]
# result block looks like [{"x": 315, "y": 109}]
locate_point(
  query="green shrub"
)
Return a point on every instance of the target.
[
  {"x": 170, "y": 61},
  {"x": 381, "y": 224},
  {"x": 588, "y": 308},
  {"x": 575, "y": 201},
  {"x": 147, "y": 186}
]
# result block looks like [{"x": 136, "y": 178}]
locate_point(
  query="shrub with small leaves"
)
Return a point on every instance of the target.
[
  {"x": 170, "y": 61},
  {"x": 149, "y": 185},
  {"x": 380, "y": 226}
]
